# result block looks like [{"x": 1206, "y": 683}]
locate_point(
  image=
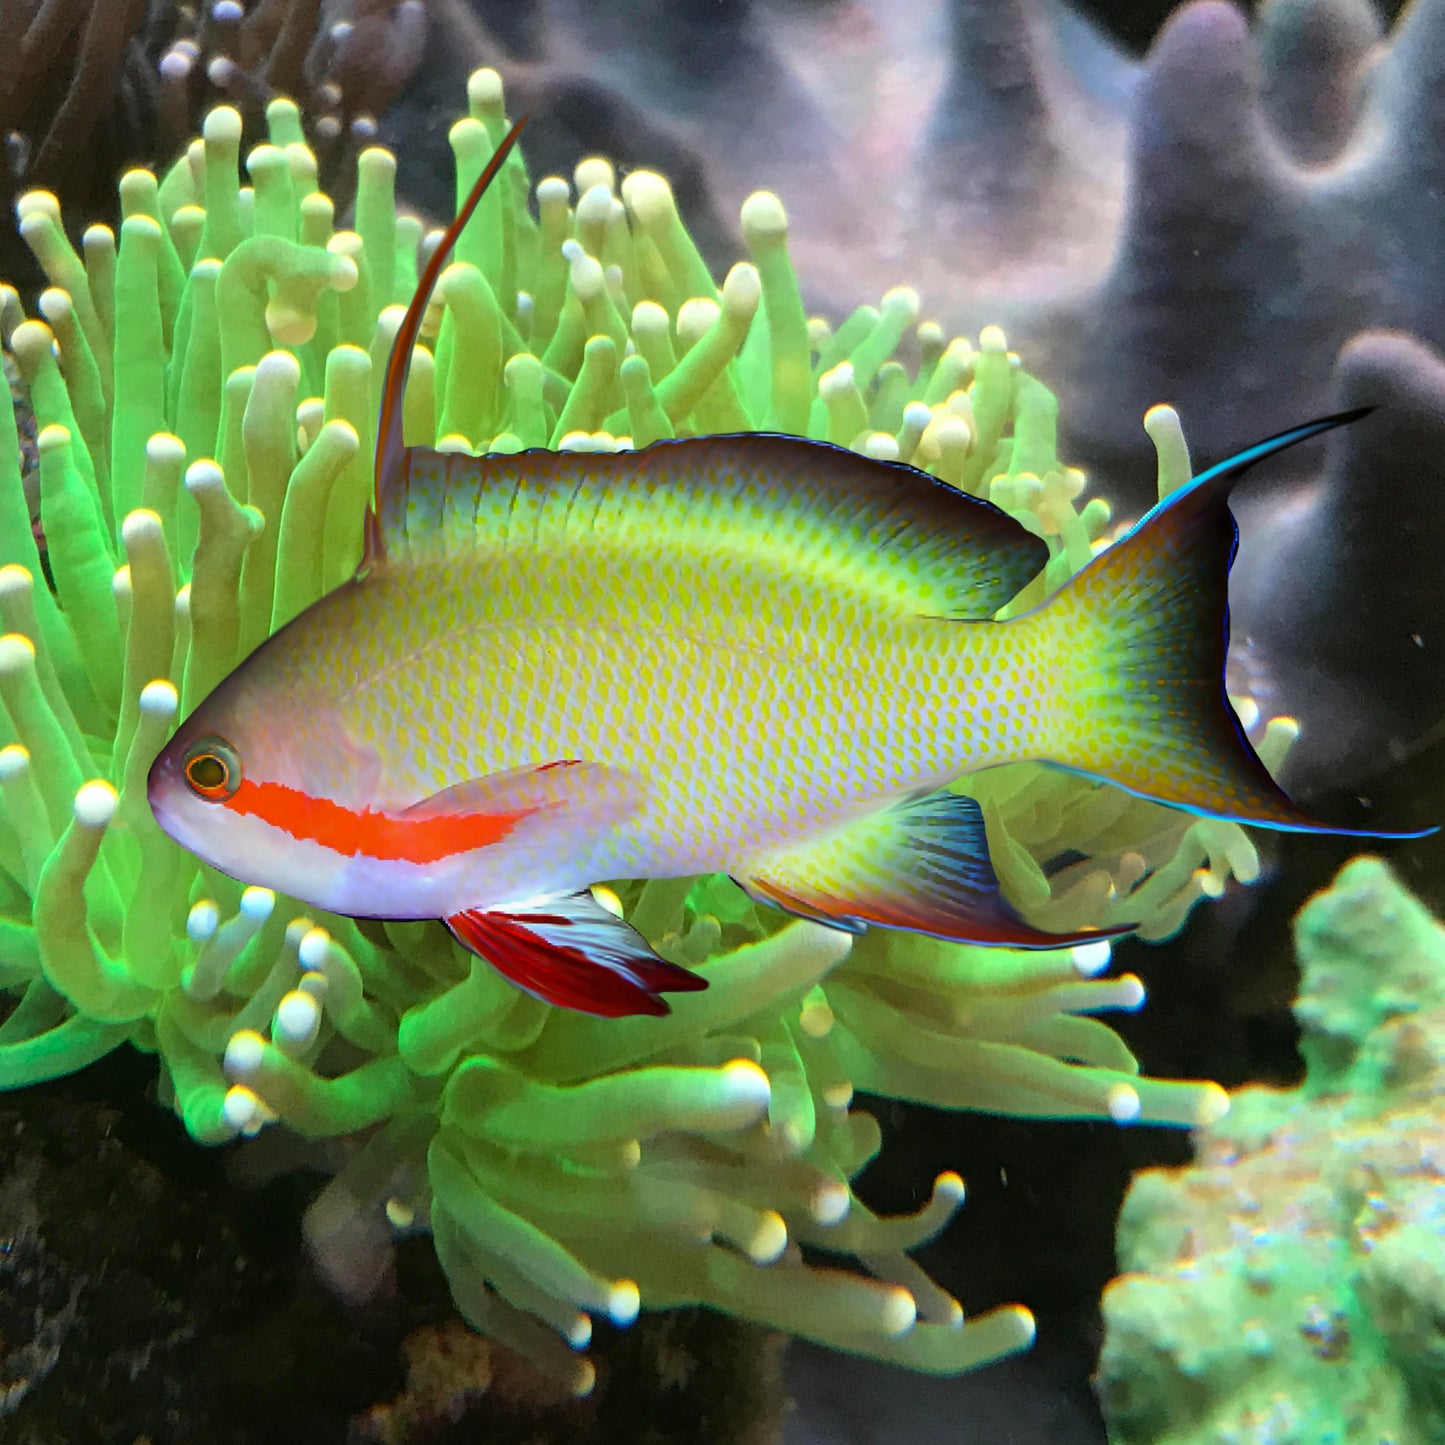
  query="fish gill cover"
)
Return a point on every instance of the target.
[{"x": 205, "y": 391}]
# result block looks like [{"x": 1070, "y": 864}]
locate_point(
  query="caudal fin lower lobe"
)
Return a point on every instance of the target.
[{"x": 1143, "y": 632}]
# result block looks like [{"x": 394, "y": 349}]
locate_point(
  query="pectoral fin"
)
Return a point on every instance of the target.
[
  {"x": 591, "y": 793},
  {"x": 922, "y": 865},
  {"x": 573, "y": 800},
  {"x": 572, "y": 952}
]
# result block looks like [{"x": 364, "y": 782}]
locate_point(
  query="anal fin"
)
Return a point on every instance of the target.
[
  {"x": 922, "y": 865},
  {"x": 574, "y": 953}
]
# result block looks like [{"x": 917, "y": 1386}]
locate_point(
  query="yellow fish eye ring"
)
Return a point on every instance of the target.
[{"x": 212, "y": 769}]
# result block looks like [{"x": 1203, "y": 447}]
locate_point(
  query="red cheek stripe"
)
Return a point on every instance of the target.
[{"x": 376, "y": 835}]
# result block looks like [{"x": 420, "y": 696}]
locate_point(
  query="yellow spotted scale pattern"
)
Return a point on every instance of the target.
[{"x": 766, "y": 631}]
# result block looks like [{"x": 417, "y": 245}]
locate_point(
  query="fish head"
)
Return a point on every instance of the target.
[{"x": 249, "y": 770}]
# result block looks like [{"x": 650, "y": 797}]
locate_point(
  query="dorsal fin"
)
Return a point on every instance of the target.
[
  {"x": 818, "y": 513},
  {"x": 389, "y": 443}
]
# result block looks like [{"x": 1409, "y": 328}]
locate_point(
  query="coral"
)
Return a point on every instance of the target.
[
  {"x": 566, "y": 1166},
  {"x": 1288, "y": 1285}
]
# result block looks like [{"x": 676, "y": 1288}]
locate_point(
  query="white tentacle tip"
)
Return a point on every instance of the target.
[
  {"x": 1213, "y": 1105},
  {"x": 244, "y": 1054},
  {"x": 951, "y": 433},
  {"x": 903, "y": 301},
  {"x": 769, "y": 1240},
  {"x": 1123, "y": 1103},
  {"x": 624, "y": 1300},
  {"x": 587, "y": 278},
  {"x": 378, "y": 162},
  {"x": 204, "y": 475},
  {"x": 143, "y": 228},
  {"x": 56, "y": 305},
  {"x": 741, "y": 290},
  {"x": 297, "y": 929},
  {"x": 747, "y": 1085},
  {"x": 38, "y": 203},
  {"x": 1091, "y": 959},
  {"x": 649, "y": 319},
  {"x": 467, "y": 135},
  {"x": 279, "y": 364},
  {"x": 222, "y": 126},
  {"x": 649, "y": 196},
  {"x": 484, "y": 87},
  {"x": 160, "y": 698},
  {"x": 142, "y": 524},
  {"x": 14, "y": 760},
  {"x": 15, "y": 580},
  {"x": 95, "y": 804},
  {"x": 164, "y": 449},
  {"x": 695, "y": 316},
  {"x": 763, "y": 215},
  {"x": 298, "y": 1018},
  {"x": 593, "y": 171},
  {"x": 830, "y": 1203},
  {"x": 242, "y": 1108},
  {"x": 595, "y": 205},
  {"x": 1132, "y": 992},
  {"x": 312, "y": 952},
  {"x": 202, "y": 921},
  {"x": 949, "y": 1186},
  {"x": 816, "y": 1019},
  {"x": 1162, "y": 420},
  {"x": 836, "y": 382},
  {"x": 900, "y": 1312},
  {"x": 257, "y": 903}
]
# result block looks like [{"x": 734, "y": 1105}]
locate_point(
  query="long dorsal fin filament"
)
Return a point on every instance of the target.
[{"x": 389, "y": 443}]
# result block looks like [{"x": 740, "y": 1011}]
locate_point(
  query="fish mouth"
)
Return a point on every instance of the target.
[{"x": 163, "y": 784}]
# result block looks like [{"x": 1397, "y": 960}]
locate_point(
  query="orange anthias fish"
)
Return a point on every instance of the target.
[{"x": 752, "y": 654}]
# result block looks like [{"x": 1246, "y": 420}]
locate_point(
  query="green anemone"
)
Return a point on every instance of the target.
[{"x": 205, "y": 391}]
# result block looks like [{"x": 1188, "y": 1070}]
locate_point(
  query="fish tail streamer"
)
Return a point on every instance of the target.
[{"x": 1142, "y": 636}]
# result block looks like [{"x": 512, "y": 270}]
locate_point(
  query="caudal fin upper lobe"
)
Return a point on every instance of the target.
[{"x": 1145, "y": 629}]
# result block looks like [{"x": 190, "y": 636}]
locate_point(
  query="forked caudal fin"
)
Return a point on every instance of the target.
[
  {"x": 1142, "y": 636},
  {"x": 389, "y": 443}
]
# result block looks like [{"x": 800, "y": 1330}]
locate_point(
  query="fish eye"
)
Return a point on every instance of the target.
[{"x": 213, "y": 769}]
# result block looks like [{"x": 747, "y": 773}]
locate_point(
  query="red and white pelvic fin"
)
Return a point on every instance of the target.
[{"x": 572, "y": 952}]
